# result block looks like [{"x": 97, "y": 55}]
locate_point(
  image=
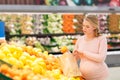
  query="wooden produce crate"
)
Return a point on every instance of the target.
[{"x": 114, "y": 23}]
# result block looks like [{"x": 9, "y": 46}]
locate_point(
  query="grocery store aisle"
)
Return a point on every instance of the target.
[{"x": 114, "y": 73}]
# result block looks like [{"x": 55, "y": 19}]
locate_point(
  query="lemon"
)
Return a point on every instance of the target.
[
  {"x": 2, "y": 55},
  {"x": 45, "y": 52}
]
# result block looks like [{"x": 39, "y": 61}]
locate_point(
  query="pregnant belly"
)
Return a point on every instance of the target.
[{"x": 91, "y": 69}]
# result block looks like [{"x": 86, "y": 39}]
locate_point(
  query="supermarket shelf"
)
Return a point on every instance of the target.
[
  {"x": 113, "y": 58},
  {"x": 3, "y": 62},
  {"x": 114, "y": 49},
  {"x": 58, "y": 9},
  {"x": 113, "y": 52},
  {"x": 44, "y": 35}
]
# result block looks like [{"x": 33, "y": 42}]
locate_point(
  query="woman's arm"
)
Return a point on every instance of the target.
[
  {"x": 100, "y": 57},
  {"x": 75, "y": 52},
  {"x": 76, "y": 45}
]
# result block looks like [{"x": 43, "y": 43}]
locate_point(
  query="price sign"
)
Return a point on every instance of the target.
[{"x": 2, "y": 30}]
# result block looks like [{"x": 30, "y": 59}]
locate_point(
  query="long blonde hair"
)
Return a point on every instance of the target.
[{"x": 93, "y": 19}]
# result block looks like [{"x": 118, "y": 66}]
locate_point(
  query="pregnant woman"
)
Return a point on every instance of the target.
[{"x": 91, "y": 49}]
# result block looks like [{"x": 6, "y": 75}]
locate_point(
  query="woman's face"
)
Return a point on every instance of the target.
[{"x": 88, "y": 28}]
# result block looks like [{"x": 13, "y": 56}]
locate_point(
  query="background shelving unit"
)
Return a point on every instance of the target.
[
  {"x": 58, "y": 9},
  {"x": 46, "y": 35},
  {"x": 36, "y": 9},
  {"x": 62, "y": 9}
]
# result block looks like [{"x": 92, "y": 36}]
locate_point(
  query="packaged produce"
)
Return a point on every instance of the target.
[{"x": 69, "y": 64}]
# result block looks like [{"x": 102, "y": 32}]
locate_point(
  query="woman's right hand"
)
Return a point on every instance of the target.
[{"x": 76, "y": 54}]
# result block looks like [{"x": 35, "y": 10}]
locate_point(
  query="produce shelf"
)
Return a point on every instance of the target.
[
  {"x": 3, "y": 62},
  {"x": 45, "y": 35},
  {"x": 57, "y": 9},
  {"x": 2, "y": 76},
  {"x": 114, "y": 49}
]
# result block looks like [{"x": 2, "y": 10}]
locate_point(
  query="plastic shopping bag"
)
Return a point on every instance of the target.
[{"x": 69, "y": 65}]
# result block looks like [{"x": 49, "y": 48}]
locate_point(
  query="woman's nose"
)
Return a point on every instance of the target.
[{"x": 83, "y": 28}]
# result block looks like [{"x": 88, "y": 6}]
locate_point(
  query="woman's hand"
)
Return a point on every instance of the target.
[
  {"x": 77, "y": 54},
  {"x": 80, "y": 53}
]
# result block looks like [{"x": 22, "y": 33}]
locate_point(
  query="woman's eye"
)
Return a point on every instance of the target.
[{"x": 87, "y": 26}]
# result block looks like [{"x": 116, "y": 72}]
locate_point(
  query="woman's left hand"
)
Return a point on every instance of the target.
[{"x": 80, "y": 53}]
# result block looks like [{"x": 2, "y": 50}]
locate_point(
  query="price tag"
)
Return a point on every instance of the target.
[{"x": 2, "y": 30}]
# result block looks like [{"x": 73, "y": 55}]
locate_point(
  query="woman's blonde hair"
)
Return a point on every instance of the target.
[{"x": 93, "y": 19}]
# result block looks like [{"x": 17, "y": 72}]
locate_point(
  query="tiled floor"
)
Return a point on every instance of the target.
[{"x": 114, "y": 73}]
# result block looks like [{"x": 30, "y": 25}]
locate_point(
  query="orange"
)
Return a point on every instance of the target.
[{"x": 64, "y": 49}]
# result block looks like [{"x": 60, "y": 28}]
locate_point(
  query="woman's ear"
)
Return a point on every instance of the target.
[{"x": 94, "y": 28}]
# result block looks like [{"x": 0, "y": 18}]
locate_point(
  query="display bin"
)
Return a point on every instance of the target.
[
  {"x": 3, "y": 62},
  {"x": 3, "y": 77}
]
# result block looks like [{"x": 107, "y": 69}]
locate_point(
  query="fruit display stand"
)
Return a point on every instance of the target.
[
  {"x": 30, "y": 63},
  {"x": 2, "y": 76}
]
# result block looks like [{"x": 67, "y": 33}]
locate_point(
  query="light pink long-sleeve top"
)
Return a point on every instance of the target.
[{"x": 92, "y": 65}]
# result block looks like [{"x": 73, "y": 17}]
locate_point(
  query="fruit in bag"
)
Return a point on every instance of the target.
[{"x": 69, "y": 64}]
